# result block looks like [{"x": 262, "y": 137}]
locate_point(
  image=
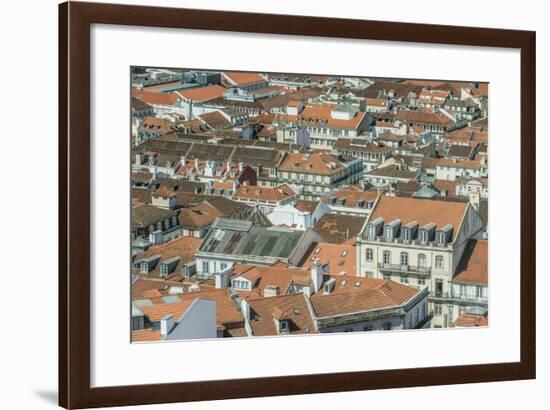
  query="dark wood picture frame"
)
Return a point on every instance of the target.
[{"x": 75, "y": 20}]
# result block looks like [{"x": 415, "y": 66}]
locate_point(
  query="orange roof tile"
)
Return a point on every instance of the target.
[
  {"x": 355, "y": 295},
  {"x": 271, "y": 194},
  {"x": 316, "y": 163},
  {"x": 339, "y": 257},
  {"x": 154, "y": 98},
  {"x": 206, "y": 93},
  {"x": 243, "y": 78},
  {"x": 294, "y": 308},
  {"x": 473, "y": 266},
  {"x": 423, "y": 211}
]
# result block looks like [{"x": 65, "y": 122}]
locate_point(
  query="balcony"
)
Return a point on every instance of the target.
[{"x": 405, "y": 269}]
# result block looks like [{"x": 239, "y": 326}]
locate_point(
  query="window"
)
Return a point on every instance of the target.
[
  {"x": 438, "y": 288},
  {"x": 404, "y": 279},
  {"x": 388, "y": 233},
  {"x": 387, "y": 257},
  {"x": 163, "y": 269},
  {"x": 406, "y": 233},
  {"x": 404, "y": 259},
  {"x": 205, "y": 267},
  {"x": 479, "y": 291},
  {"x": 223, "y": 266},
  {"x": 421, "y": 281},
  {"x": 144, "y": 267},
  {"x": 284, "y": 326},
  {"x": 424, "y": 236},
  {"x": 462, "y": 290},
  {"x": 438, "y": 309},
  {"x": 441, "y": 239},
  {"x": 421, "y": 260},
  {"x": 439, "y": 262},
  {"x": 368, "y": 328},
  {"x": 372, "y": 232},
  {"x": 386, "y": 326},
  {"x": 369, "y": 256}
]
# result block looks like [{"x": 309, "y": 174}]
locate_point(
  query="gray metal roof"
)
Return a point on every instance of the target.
[{"x": 230, "y": 238}]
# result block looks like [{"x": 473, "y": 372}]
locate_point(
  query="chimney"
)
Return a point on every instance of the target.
[
  {"x": 316, "y": 275},
  {"x": 241, "y": 166},
  {"x": 474, "y": 200},
  {"x": 139, "y": 158},
  {"x": 196, "y": 163},
  {"x": 228, "y": 166},
  {"x": 235, "y": 185},
  {"x": 166, "y": 325},
  {"x": 245, "y": 309},
  {"x": 183, "y": 160}
]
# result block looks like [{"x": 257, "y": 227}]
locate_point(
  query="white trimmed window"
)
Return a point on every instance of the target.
[{"x": 369, "y": 255}]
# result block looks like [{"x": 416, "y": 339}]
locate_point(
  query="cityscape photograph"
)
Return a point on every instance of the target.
[{"x": 276, "y": 204}]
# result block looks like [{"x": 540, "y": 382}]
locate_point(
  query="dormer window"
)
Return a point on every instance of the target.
[
  {"x": 283, "y": 326},
  {"x": 406, "y": 235},
  {"x": 388, "y": 233},
  {"x": 441, "y": 239},
  {"x": 332, "y": 201},
  {"x": 372, "y": 232},
  {"x": 361, "y": 204}
]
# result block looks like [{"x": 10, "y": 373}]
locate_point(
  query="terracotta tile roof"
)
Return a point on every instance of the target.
[
  {"x": 215, "y": 120},
  {"x": 201, "y": 94},
  {"x": 443, "y": 185},
  {"x": 423, "y": 117},
  {"x": 183, "y": 247},
  {"x": 437, "y": 97},
  {"x": 469, "y": 135},
  {"x": 384, "y": 124},
  {"x": 339, "y": 257},
  {"x": 145, "y": 215},
  {"x": 144, "y": 288},
  {"x": 316, "y": 163},
  {"x": 459, "y": 163},
  {"x": 324, "y": 112},
  {"x": 138, "y": 105},
  {"x": 294, "y": 308},
  {"x": 271, "y": 194},
  {"x": 356, "y": 295},
  {"x": 473, "y": 266},
  {"x": 346, "y": 144},
  {"x": 141, "y": 196},
  {"x": 306, "y": 206},
  {"x": 392, "y": 172},
  {"x": 241, "y": 78},
  {"x": 469, "y": 320},
  {"x": 423, "y": 211},
  {"x": 376, "y": 102},
  {"x": 156, "y": 124},
  {"x": 277, "y": 276},
  {"x": 154, "y": 98},
  {"x": 156, "y": 312},
  {"x": 353, "y": 196},
  {"x": 227, "y": 310},
  {"x": 337, "y": 229},
  {"x": 198, "y": 216},
  {"x": 146, "y": 335}
]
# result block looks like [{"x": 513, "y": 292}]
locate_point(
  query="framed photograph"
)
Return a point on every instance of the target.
[{"x": 257, "y": 205}]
